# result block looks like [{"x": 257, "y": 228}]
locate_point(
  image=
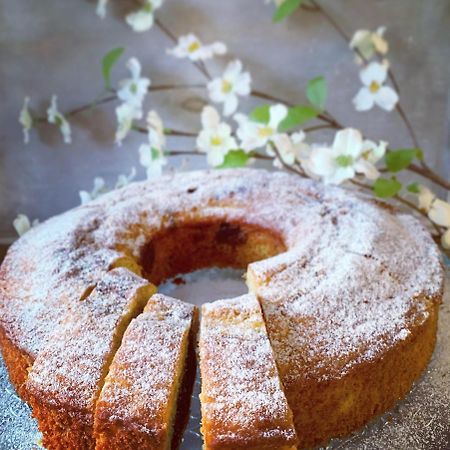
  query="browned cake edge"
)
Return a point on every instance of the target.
[
  {"x": 119, "y": 435},
  {"x": 369, "y": 390},
  {"x": 18, "y": 362},
  {"x": 64, "y": 427}
]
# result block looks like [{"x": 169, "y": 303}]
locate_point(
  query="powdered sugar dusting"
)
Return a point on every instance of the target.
[
  {"x": 69, "y": 369},
  {"x": 146, "y": 369},
  {"x": 242, "y": 399}
]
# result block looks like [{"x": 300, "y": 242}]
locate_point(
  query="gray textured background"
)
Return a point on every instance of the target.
[{"x": 55, "y": 47}]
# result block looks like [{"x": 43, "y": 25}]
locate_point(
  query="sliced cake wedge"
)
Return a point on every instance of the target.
[
  {"x": 242, "y": 399},
  {"x": 68, "y": 374},
  {"x": 145, "y": 400}
]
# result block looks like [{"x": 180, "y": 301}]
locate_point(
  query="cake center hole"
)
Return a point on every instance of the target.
[
  {"x": 184, "y": 248},
  {"x": 206, "y": 285}
]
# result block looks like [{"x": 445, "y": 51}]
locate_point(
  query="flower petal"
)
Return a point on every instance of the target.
[
  {"x": 425, "y": 198},
  {"x": 364, "y": 100},
  {"x": 386, "y": 98},
  {"x": 210, "y": 117},
  {"x": 141, "y": 20},
  {"x": 445, "y": 240},
  {"x": 373, "y": 72},
  {"x": 439, "y": 213},
  {"x": 368, "y": 169},
  {"x": 277, "y": 113},
  {"x": 348, "y": 142},
  {"x": 230, "y": 104}
]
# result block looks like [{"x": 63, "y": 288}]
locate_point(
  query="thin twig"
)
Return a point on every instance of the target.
[
  {"x": 326, "y": 116},
  {"x": 426, "y": 172},
  {"x": 271, "y": 98},
  {"x": 285, "y": 165}
]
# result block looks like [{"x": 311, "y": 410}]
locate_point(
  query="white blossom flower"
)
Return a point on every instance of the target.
[
  {"x": 343, "y": 160},
  {"x": 133, "y": 90},
  {"x": 101, "y": 8},
  {"x": 425, "y": 198},
  {"x": 229, "y": 86},
  {"x": 445, "y": 240},
  {"x": 373, "y": 152},
  {"x": 215, "y": 139},
  {"x": 98, "y": 189},
  {"x": 152, "y": 159},
  {"x": 155, "y": 129},
  {"x": 54, "y": 116},
  {"x": 143, "y": 19},
  {"x": 151, "y": 154},
  {"x": 125, "y": 115},
  {"x": 254, "y": 134},
  {"x": 367, "y": 43},
  {"x": 290, "y": 148},
  {"x": 124, "y": 180},
  {"x": 26, "y": 120},
  {"x": 22, "y": 224},
  {"x": 190, "y": 46},
  {"x": 439, "y": 213},
  {"x": 374, "y": 92}
]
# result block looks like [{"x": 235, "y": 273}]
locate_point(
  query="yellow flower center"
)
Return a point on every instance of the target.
[
  {"x": 366, "y": 154},
  {"x": 226, "y": 86},
  {"x": 374, "y": 87},
  {"x": 193, "y": 47},
  {"x": 215, "y": 140},
  {"x": 265, "y": 132}
]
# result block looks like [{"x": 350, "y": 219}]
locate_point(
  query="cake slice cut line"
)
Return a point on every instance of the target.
[
  {"x": 63, "y": 393},
  {"x": 140, "y": 397}
]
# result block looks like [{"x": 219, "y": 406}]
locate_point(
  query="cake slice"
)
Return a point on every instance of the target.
[
  {"x": 68, "y": 374},
  {"x": 243, "y": 403},
  {"x": 150, "y": 378}
]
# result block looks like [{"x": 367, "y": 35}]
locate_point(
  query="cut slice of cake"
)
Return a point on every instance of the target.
[
  {"x": 68, "y": 374},
  {"x": 243, "y": 403},
  {"x": 150, "y": 378}
]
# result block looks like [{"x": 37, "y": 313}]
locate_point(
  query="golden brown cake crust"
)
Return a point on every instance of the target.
[
  {"x": 137, "y": 405},
  {"x": 243, "y": 403},
  {"x": 67, "y": 376},
  {"x": 343, "y": 297}
]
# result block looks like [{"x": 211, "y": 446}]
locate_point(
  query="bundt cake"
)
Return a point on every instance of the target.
[
  {"x": 243, "y": 403},
  {"x": 151, "y": 376},
  {"x": 349, "y": 289}
]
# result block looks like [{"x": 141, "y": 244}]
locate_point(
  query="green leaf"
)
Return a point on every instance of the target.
[
  {"x": 317, "y": 92},
  {"x": 260, "y": 114},
  {"x": 413, "y": 188},
  {"x": 108, "y": 62},
  {"x": 385, "y": 188},
  {"x": 297, "y": 115},
  {"x": 397, "y": 160},
  {"x": 286, "y": 9},
  {"x": 235, "y": 158}
]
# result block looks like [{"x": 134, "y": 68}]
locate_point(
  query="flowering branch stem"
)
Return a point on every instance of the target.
[
  {"x": 200, "y": 66},
  {"x": 299, "y": 172},
  {"x": 325, "y": 116},
  {"x": 424, "y": 170}
]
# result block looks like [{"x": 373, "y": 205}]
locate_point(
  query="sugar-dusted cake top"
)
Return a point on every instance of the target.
[
  {"x": 141, "y": 389},
  {"x": 357, "y": 273},
  {"x": 243, "y": 403}
]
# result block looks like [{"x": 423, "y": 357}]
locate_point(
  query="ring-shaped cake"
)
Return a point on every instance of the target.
[{"x": 349, "y": 290}]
